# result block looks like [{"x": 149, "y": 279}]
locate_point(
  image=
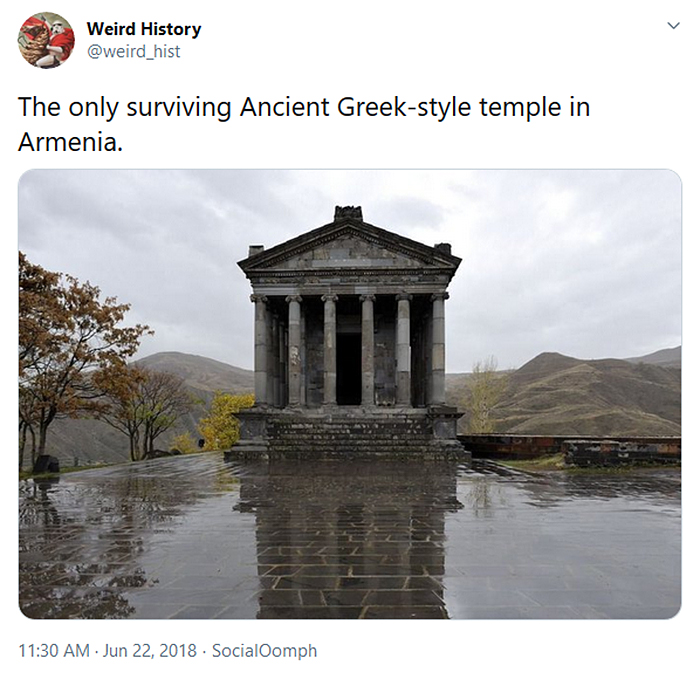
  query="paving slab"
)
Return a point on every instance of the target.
[{"x": 200, "y": 538}]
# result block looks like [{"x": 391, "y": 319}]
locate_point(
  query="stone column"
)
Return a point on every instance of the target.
[
  {"x": 260, "y": 359},
  {"x": 330, "y": 369},
  {"x": 367, "y": 349},
  {"x": 437, "y": 392},
  {"x": 403, "y": 349},
  {"x": 275, "y": 366},
  {"x": 302, "y": 356},
  {"x": 282, "y": 369},
  {"x": 270, "y": 356},
  {"x": 294, "y": 339}
]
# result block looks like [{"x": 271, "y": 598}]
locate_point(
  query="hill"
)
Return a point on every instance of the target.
[
  {"x": 82, "y": 440},
  {"x": 564, "y": 396},
  {"x": 670, "y": 358},
  {"x": 204, "y": 375}
]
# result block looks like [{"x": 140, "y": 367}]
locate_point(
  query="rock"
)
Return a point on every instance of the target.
[
  {"x": 46, "y": 464},
  {"x": 160, "y": 453}
]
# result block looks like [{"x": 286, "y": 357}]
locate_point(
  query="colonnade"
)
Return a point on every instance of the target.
[{"x": 279, "y": 351}]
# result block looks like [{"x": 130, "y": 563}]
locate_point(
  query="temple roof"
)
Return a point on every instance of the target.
[{"x": 349, "y": 244}]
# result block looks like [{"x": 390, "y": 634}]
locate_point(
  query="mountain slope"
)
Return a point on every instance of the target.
[
  {"x": 670, "y": 358},
  {"x": 200, "y": 373},
  {"x": 563, "y": 396},
  {"x": 81, "y": 440}
]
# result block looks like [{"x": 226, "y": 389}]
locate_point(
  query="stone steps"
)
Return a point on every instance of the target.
[
  {"x": 357, "y": 434},
  {"x": 354, "y": 436}
]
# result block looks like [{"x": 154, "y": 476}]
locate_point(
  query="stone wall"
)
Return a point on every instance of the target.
[{"x": 582, "y": 451}]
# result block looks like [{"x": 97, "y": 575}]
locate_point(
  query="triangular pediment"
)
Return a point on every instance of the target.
[{"x": 350, "y": 244}]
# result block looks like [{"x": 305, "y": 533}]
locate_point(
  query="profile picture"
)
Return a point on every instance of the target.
[{"x": 46, "y": 40}]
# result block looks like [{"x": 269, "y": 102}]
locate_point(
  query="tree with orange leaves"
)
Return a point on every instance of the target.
[{"x": 66, "y": 333}]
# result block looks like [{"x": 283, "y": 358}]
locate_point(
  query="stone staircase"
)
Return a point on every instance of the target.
[{"x": 356, "y": 434}]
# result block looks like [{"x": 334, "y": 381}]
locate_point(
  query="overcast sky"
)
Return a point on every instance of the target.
[{"x": 585, "y": 263}]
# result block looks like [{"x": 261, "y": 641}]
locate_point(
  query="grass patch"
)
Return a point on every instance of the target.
[
  {"x": 28, "y": 474},
  {"x": 538, "y": 464}
]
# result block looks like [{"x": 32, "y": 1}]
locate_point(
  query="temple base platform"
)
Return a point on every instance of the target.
[{"x": 349, "y": 432}]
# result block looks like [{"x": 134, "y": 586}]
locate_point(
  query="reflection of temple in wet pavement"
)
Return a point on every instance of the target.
[
  {"x": 339, "y": 541},
  {"x": 196, "y": 537},
  {"x": 350, "y": 344}
]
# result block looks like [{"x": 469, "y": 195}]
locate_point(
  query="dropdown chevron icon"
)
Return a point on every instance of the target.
[{"x": 672, "y": 26}]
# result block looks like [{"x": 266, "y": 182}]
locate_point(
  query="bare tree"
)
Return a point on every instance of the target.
[
  {"x": 142, "y": 404},
  {"x": 164, "y": 400}
]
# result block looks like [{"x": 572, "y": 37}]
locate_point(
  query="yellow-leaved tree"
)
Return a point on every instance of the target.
[
  {"x": 486, "y": 388},
  {"x": 219, "y": 427}
]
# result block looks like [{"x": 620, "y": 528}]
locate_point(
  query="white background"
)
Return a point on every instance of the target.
[{"x": 640, "y": 78}]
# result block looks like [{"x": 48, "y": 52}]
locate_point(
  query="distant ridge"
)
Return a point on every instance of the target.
[
  {"x": 670, "y": 358},
  {"x": 564, "y": 396}
]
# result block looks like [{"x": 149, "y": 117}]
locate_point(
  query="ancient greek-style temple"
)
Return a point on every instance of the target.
[{"x": 349, "y": 344}]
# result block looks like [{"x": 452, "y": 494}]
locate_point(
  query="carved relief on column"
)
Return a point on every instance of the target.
[
  {"x": 294, "y": 350},
  {"x": 403, "y": 349},
  {"x": 438, "y": 349},
  {"x": 260, "y": 356},
  {"x": 367, "y": 349},
  {"x": 330, "y": 374}
]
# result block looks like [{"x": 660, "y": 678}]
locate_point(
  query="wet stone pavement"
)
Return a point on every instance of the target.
[{"x": 196, "y": 537}]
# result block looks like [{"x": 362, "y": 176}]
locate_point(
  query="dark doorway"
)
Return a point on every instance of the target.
[{"x": 349, "y": 369}]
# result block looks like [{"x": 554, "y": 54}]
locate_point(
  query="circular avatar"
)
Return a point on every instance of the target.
[{"x": 46, "y": 40}]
